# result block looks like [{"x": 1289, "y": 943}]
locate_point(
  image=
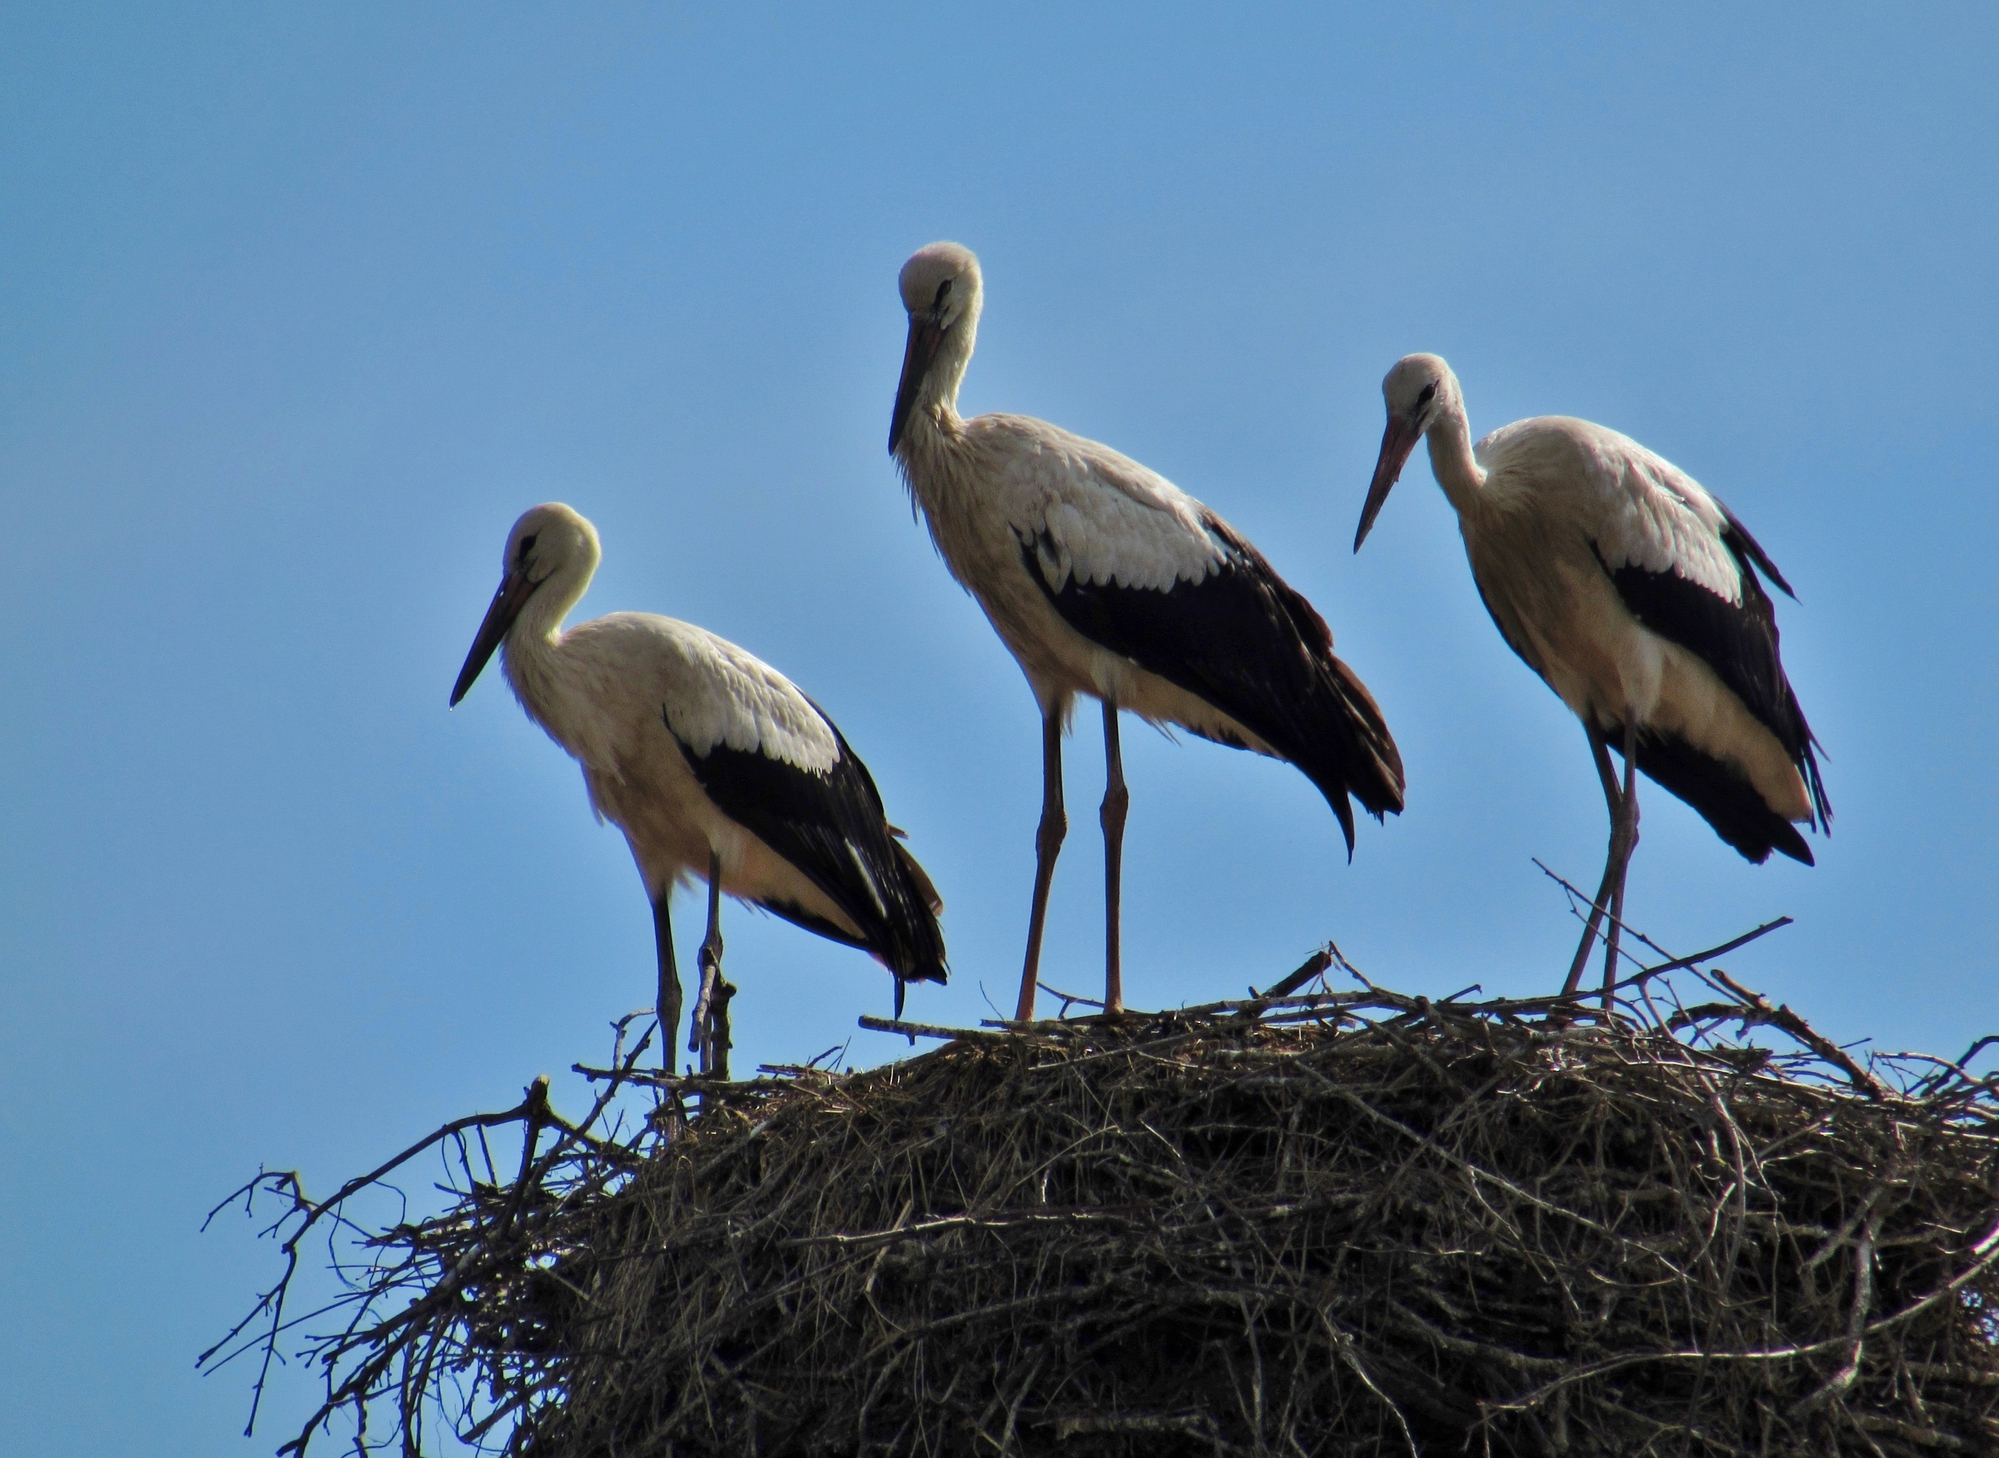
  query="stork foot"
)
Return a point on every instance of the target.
[
  {"x": 711, "y": 1023},
  {"x": 708, "y": 1034}
]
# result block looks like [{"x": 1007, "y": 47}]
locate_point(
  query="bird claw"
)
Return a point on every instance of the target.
[
  {"x": 709, "y": 961},
  {"x": 709, "y": 1035},
  {"x": 697, "y": 1030}
]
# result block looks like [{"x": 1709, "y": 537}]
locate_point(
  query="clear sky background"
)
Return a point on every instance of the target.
[{"x": 300, "y": 307}]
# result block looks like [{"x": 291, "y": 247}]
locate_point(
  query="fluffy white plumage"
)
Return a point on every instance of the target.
[
  {"x": 1638, "y": 507},
  {"x": 633, "y": 695},
  {"x": 1622, "y": 583},
  {"x": 1562, "y": 503},
  {"x": 603, "y": 697},
  {"x": 711, "y": 691},
  {"x": 1092, "y": 513},
  {"x": 1087, "y": 514}
]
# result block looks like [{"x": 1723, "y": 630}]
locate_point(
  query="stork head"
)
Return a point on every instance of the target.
[
  {"x": 1419, "y": 391},
  {"x": 552, "y": 552},
  {"x": 943, "y": 293}
]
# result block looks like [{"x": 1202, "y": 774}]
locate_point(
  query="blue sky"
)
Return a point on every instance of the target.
[{"x": 299, "y": 308}]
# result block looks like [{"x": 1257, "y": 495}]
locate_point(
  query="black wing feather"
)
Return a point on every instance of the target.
[
  {"x": 1245, "y": 641},
  {"x": 1738, "y": 541},
  {"x": 1738, "y": 641},
  {"x": 821, "y": 823},
  {"x": 1721, "y": 796}
]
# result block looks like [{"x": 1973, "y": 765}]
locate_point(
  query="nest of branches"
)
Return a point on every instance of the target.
[{"x": 1336, "y": 1222}]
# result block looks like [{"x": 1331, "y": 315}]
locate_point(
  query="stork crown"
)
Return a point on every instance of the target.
[
  {"x": 941, "y": 283},
  {"x": 555, "y": 548},
  {"x": 1421, "y": 390}
]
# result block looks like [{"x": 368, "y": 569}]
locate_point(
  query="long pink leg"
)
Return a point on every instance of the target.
[
  {"x": 1600, "y": 753},
  {"x": 1047, "y": 845},
  {"x": 1624, "y": 844},
  {"x": 1116, "y": 801},
  {"x": 668, "y": 1006}
]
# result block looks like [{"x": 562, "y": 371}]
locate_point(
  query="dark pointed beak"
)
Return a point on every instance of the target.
[
  {"x": 925, "y": 333},
  {"x": 1396, "y": 442},
  {"x": 507, "y": 604}
]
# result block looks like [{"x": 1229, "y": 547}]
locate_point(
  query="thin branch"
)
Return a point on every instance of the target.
[
  {"x": 1348, "y": 1222},
  {"x": 1782, "y": 1017}
]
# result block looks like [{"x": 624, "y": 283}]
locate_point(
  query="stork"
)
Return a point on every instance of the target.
[
  {"x": 1634, "y": 594},
  {"x": 1105, "y": 579},
  {"x": 712, "y": 763}
]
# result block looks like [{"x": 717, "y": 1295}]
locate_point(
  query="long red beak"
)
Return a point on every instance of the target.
[
  {"x": 924, "y": 337},
  {"x": 1396, "y": 442},
  {"x": 514, "y": 592}
]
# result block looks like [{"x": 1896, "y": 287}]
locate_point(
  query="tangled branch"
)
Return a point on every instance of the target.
[{"x": 1308, "y": 1221}]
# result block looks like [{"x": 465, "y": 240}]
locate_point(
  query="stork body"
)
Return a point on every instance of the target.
[
  {"x": 1634, "y": 594},
  {"x": 711, "y": 762},
  {"x": 1106, "y": 580}
]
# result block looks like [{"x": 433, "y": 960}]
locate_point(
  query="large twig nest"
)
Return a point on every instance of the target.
[
  {"x": 1440, "y": 1230},
  {"x": 1363, "y": 1224}
]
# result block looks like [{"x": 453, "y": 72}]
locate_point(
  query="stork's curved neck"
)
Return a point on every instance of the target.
[
  {"x": 934, "y": 430},
  {"x": 938, "y": 399},
  {"x": 533, "y": 642},
  {"x": 1451, "y": 459},
  {"x": 931, "y": 462}
]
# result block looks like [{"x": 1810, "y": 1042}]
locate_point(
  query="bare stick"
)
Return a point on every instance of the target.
[{"x": 1781, "y": 1016}]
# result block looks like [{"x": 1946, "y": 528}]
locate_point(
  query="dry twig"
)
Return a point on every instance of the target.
[{"x": 1334, "y": 1223}]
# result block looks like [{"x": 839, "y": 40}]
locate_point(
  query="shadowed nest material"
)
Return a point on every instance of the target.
[{"x": 1354, "y": 1223}]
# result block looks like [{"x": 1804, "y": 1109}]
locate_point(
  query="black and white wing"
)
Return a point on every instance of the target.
[
  {"x": 1137, "y": 566},
  {"x": 1686, "y": 569},
  {"x": 774, "y": 763}
]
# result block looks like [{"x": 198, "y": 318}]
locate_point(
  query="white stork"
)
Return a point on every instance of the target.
[
  {"x": 1105, "y": 579},
  {"x": 1633, "y": 593},
  {"x": 712, "y": 763}
]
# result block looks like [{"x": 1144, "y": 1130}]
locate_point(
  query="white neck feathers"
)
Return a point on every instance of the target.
[
  {"x": 1451, "y": 459},
  {"x": 532, "y": 648}
]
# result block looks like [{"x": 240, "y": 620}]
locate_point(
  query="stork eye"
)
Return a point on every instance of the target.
[
  {"x": 943, "y": 293},
  {"x": 527, "y": 545},
  {"x": 1429, "y": 394}
]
